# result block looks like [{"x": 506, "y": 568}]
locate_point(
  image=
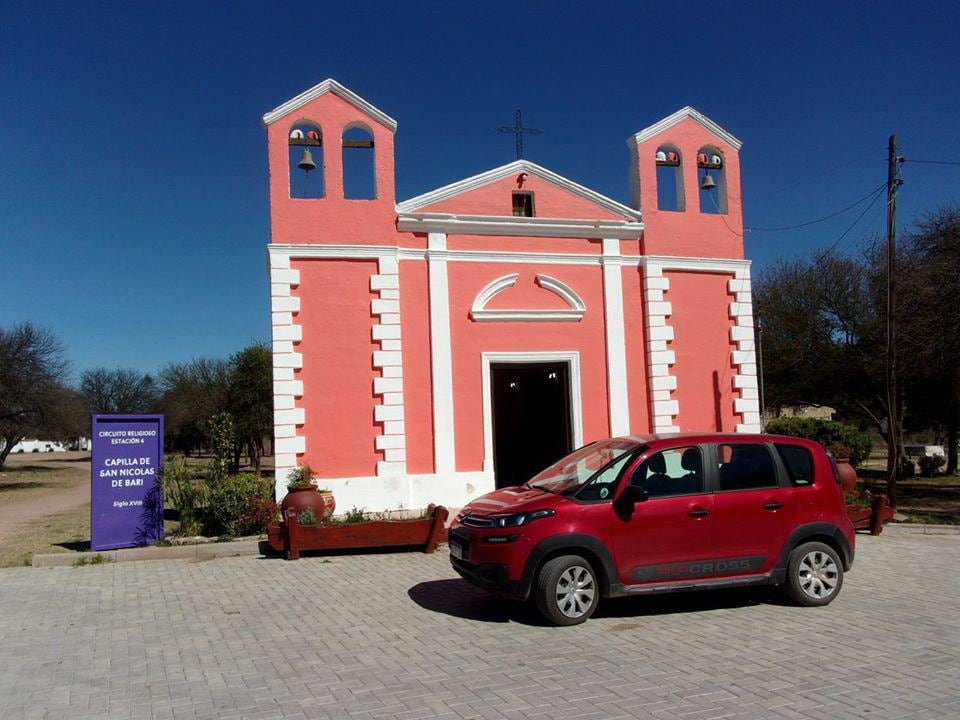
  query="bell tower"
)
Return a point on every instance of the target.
[
  {"x": 685, "y": 178},
  {"x": 330, "y": 155}
]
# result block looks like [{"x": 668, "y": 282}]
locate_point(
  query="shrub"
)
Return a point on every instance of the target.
[
  {"x": 184, "y": 492},
  {"x": 839, "y": 438},
  {"x": 930, "y": 464},
  {"x": 258, "y": 513},
  {"x": 229, "y": 499}
]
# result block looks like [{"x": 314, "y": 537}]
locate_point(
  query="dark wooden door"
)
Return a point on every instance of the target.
[{"x": 531, "y": 418}]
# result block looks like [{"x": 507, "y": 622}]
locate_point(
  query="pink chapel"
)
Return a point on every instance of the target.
[{"x": 433, "y": 349}]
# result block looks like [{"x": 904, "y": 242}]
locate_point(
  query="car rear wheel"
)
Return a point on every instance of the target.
[
  {"x": 567, "y": 590},
  {"x": 814, "y": 574}
]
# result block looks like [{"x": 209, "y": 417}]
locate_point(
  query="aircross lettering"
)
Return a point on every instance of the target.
[{"x": 702, "y": 568}]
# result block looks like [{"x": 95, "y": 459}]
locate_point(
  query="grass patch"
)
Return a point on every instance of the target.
[
  {"x": 97, "y": 559},
  {"x": 63, "y": 532}
]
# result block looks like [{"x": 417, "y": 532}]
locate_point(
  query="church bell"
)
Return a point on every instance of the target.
[
  {"x": 306, "y": 161},
  {"x": 708, "y": 182}
]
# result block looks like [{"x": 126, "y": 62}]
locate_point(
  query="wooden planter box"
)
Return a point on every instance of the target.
[
  {"x": 292, "y": 538},
  {"x": 871, "y": 518}
]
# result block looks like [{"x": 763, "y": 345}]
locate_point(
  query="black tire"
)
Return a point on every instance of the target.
[
  {"x": 814, "y": 574},
  {"x": 580, "y": 603}
]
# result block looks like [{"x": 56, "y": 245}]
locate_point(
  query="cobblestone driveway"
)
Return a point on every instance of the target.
[{"x": 396, "y": 636}]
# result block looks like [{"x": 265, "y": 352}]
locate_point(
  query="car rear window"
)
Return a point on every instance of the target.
[
  {"x": 799, "y": 463},
  {"x": 746, "y": 466}
]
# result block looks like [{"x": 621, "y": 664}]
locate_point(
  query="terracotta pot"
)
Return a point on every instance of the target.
[
  {"x": 848, "y": 476},
  {"x": 301, "y": 498},
  {"x": 328, "y": 502}
]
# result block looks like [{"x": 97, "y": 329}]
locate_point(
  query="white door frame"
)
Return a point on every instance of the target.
[{"x": 571, "y": 357}]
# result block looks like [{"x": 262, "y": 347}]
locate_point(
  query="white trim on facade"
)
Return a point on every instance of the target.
[
  {"x": 374, "y": 493},
  {"x": 441, "y": 355},
  {"x": 516, "y": 167},
  {"x": 662, "y": 383},
  {"x": 744, "y": 356},
  {"x": 392, "y": 440},
  {"x": 615, "y": 332},
  {"x": 331, "y": 85},
  {"x": 571, "y": 357},
  {"x": 286, "y": 416},
  {"x": 681, "y": 114},
  {"x": 575, "y": 312},
  {"x": 454, "y": 224},
  {"x": 360, "y": 252}
]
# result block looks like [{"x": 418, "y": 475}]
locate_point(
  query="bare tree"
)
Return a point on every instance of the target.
[
  {"x": 122, "y": 390},
  {"x": 33, "y": 368}
]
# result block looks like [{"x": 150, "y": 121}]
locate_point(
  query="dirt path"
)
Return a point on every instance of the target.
[{"x": 35, "y": 486}]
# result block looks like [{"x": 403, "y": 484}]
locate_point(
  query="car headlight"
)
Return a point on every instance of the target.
[{"x": 518, "y": 519}]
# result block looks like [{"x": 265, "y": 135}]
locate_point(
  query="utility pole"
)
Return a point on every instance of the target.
[{"x": 894, "y": 460}]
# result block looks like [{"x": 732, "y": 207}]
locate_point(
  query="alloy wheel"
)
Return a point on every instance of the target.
[{"x": 575, "y": 591}]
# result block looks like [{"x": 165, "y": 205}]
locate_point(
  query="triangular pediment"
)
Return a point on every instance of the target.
[
  {"x": 468, "y": 189},
  {"x": 331, "y": 86},
  {"x": 681, "y": 115}
]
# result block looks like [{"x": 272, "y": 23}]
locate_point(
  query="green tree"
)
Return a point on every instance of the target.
[
  {"x": 931, "y": 308},
  {"x": 251, "y": 400}
]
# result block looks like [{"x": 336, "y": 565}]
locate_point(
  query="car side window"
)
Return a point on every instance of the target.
[
  {"x": 602, "y": 485},
  {"x": 799, "y": 463},
  {"x": 746, "y": 466},
  {"x": 677, "y": 471}
]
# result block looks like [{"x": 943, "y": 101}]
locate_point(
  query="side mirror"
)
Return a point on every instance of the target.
[{"x": 631, "y": 495}]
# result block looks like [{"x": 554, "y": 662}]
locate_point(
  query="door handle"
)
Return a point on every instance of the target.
[
  {"x": 698, "y": 512},
  {"x": 772, "y": 505}
]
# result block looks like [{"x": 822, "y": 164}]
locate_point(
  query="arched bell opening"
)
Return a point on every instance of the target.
[
  {"x": 712, "y": 181},
  {"x": 305, "y": 158},
  {"x": 359, "y": 178},
  {"x": 669, "y": 179}
]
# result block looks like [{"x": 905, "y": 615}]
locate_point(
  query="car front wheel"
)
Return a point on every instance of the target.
[
  {"x": 567, "y": 590},
  {"x": 814, "y": 574}
]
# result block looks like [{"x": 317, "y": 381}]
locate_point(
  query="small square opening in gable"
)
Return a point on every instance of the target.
[{"x": 523, "y": 204}]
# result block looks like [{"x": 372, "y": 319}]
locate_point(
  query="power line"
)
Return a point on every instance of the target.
[
  {"x": 818, "y": 220},
  {"x": 932, "y": 162},
  {"x": 876, "y": 196}
]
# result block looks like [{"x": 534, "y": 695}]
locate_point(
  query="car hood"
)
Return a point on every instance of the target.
[{"x": 511, "y": 500}]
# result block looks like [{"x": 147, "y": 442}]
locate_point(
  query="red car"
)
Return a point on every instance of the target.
[{"x": 655, "y": 514}]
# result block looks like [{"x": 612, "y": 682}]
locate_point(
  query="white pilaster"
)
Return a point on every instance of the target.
[
  {"x": 619, "y": 398},
  {"x": 287, "y": 334},
  {"x": 663, "y": 409},
  {"x": 392, "y": 441},
  {"x": 440, "y": 355},
  {"x": 744, "y": 356}
]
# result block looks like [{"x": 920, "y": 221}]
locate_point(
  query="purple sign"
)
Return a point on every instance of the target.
[{"x": 126, "y": 499}]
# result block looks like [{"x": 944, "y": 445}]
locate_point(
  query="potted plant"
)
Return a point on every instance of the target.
[
  {"x": 302, "y": 493},
  {"x": 328, "y": 502},
  {"x": 848, "y": 476}
]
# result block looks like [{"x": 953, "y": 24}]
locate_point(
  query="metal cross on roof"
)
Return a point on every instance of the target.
[{"x": 518, "y": 129}]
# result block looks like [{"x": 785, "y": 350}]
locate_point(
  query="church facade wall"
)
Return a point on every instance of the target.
[{"x": 388, "y": 318}]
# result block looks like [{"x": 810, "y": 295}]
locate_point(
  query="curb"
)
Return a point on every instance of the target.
[
  {"x": 200, "y": 551},
  {"x": 921, "y": 529}
]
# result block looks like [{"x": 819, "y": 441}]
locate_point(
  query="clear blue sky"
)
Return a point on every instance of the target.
[{"x": 133, "y": 187}]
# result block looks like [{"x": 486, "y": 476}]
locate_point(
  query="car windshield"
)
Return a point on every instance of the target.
[{"x": 572, "y": 472}]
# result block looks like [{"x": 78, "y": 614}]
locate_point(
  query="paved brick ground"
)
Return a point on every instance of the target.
[{"x": 396, "y": 636}]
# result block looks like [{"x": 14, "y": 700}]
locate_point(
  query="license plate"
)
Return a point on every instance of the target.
[{"x": 456, "y": 550}]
